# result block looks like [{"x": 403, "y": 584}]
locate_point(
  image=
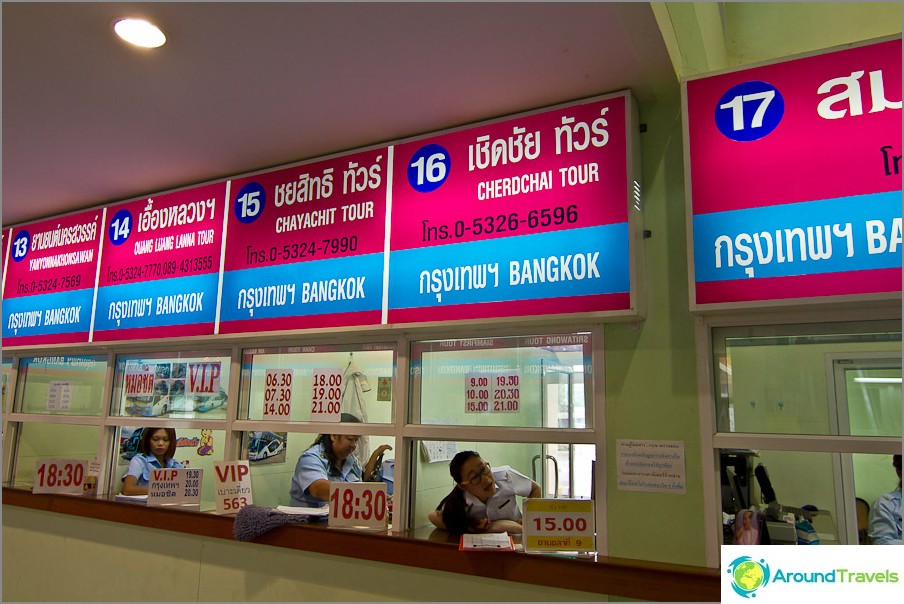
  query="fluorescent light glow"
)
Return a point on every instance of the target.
[
  {"x": 140, "y": 33},
  {"x": 875, "y": 380}
]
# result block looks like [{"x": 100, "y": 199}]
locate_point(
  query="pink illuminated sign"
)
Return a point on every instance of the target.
[{"x": 795, "y": 178}]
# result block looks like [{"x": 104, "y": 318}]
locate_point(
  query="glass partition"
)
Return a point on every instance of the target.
[
  {"x": 61, "y": 385},
  {"x": 198, "y": 449},
  {"x": 38, "y": 441},
  {"x": 273, "y": 457},
  {"x": 7, "y": 376},
  {"x": 189, "y": 385},
  {"x": 567, "y": 473},
  {"x": 525, "y": 381},
  {"x": 318, "y": 383},
  {"x": 809, "y": 379}
]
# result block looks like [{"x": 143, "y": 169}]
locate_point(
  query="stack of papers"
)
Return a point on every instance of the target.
[
  {"x": 487, "y": 542},
  {"x": 288, "y": 509},
  {"x": 132, "y": 498}
]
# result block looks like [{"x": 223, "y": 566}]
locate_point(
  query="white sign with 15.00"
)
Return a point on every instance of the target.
[{"x": 552, "y": 525}]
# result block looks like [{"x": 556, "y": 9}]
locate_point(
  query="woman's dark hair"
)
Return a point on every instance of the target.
[
  {"x": 145, "y": 445},
  {"x": 453, "y": 506},
  {"x": 896, "y": 462},
  {"x": 327, "y": 443}
]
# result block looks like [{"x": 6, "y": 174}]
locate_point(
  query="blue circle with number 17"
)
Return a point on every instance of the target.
[{"x": 749, "y": 111}]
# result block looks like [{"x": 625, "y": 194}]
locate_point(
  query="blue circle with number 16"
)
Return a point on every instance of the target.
[
  {"x": 429, "y": 167},
  {"x": 749, "y": 111}
]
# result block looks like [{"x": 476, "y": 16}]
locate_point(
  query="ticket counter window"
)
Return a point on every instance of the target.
[
  {"x": 63, "y": 385},
  {"x": 318, "y": 383},
  {"x": 42, "y": 441},
  {"x": 7, "y": 379},
  {"x": 177, "y": 385},
  {"x": 567, "y": 475},
  {"x": 273, "y": 458},
  {"x": 804, "y": 497},
  {"x": 195, "y": 448},
  {"x": 809, "y": 379},
  {"x": 525, "y": 381}
]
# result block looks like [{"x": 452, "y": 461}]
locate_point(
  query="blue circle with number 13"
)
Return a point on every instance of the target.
[{"x": 749, "y": 111}]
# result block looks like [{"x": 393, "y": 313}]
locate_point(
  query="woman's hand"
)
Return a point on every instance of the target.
[{"x": 371, "y": 465}]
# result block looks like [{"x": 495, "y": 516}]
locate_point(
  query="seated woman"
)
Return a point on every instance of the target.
[
  {"x": 484, "y": 498},
  {"x": 330, "y": 458},
  {"x": 155, "y": 450}
]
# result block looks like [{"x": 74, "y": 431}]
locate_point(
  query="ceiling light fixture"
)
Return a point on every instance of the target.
[{"x": 140, "y": 33}]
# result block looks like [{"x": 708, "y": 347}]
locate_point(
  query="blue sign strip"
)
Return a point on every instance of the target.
[
  {"x": 560, "y": 264},
  {"x": 861, "y": 232},
  {"x": 63, "y": 312},
  {"x": 180, "y": 301},
  {"x": 337, "y": 285}
]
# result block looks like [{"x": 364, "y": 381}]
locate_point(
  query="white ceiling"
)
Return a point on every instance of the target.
[{"x": 241, "y": 87}]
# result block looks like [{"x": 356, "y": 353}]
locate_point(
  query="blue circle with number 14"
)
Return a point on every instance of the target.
[
  {"x": 749, "y": 111},
  {"x": 120, "y": 227}
]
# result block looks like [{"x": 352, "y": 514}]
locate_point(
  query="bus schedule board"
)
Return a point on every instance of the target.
[
  {"x": 795, "y": 179},
  {"x": 528, "y": 215},
  {"x": 160, "y": 268},
  {"x": 48, "y": 292},
  {"x": 305, "y": 246}
]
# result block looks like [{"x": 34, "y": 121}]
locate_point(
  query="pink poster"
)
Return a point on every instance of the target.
[
  {"x": 523, "y": 216},
  {"x": 160, "y": 268},
  {"x": 305, "y": 246},
  {"x": 49, "y": 284},
  {"x": 795, "y": 178}
]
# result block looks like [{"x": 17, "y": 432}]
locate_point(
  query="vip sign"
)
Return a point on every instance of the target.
[{"x": 232, "y": 482}]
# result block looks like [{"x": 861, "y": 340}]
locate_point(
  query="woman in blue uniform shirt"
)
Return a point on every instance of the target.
[
  {"x": 156, "y": 450},
  {"x": 484, "y": 499},
  {"x": 885, "y": 515},
  {"x": 330, "y": 458}
]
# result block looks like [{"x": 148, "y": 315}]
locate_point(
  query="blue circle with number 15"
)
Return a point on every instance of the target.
[
  {"x": 250, "y": 202},
  {"x": 749, "y": 111}
]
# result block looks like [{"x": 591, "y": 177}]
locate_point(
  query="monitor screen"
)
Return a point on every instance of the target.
[{"x": 762, "y": 477}]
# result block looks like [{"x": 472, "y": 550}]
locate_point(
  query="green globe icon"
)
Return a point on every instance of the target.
[{"x": 748, "y": 575}]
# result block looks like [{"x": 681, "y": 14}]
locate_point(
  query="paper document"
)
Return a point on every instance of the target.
[
  {"x": 498, "y": 542},
  {"x": 288, "y": 509},
  {"x": 132, "y": 498}
]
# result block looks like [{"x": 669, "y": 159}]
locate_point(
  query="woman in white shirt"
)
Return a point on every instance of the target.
[{"x": 484, "y": 499}]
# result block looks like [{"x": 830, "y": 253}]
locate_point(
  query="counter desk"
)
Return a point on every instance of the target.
[{"x": 422, "y": 548}]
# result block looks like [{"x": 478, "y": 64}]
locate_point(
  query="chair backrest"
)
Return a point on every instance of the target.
[{"x": 862, "y": 521}]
